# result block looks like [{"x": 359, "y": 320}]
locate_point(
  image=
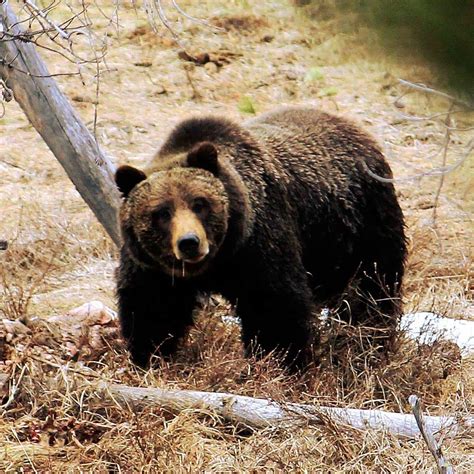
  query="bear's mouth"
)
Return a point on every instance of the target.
[
  {"x": 191, "y": 263},
  {"x": 195, "y": 260},
  {"x": 185, "y": 268},
  {"x": 192, "y": 256}
]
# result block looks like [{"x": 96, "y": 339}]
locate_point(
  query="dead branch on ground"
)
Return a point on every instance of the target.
[{"x": 259, "y": 413}]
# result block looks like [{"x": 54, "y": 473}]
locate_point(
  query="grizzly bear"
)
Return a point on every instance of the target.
[{"x": 280, "y": 215}]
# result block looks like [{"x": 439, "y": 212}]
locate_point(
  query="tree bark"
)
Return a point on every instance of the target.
[{"x": 56, "y": 121}]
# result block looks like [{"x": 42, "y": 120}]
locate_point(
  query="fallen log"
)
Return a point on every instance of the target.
[{"x": 260, "y": 413}]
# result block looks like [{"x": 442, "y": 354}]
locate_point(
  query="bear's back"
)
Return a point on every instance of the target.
[
  {"x": 320, "y": 155},
  {"x": 311, "y": 133},
  {"x": 222, "y": 132}
]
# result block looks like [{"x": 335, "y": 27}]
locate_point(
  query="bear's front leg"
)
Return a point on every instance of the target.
[{"x": 154, "y": 314}]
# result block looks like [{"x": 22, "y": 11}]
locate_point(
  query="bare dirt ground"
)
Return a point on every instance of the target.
[{"x": 59, "y": 257}]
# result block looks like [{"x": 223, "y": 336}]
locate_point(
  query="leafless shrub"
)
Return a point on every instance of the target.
[
  {"x": 25, "y": 268},
  {"x": 450, "y": 157}
]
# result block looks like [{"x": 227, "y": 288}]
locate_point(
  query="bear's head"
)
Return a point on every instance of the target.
[{"x": 175, "y": 219}]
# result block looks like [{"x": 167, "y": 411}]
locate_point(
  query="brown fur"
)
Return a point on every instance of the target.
[{"x": 299, "y": 222}]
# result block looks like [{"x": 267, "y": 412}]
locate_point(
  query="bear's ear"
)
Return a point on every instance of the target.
[
  {"x": 127, "y": 177},
  {"x": 204, "y": 155}
]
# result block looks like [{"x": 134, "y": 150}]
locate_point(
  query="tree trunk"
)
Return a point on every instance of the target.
[{"x": 57, "y": 122}]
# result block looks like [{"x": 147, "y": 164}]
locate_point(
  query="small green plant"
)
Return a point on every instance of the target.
[
  {"x": 314, "y": 74},
  {"x": 246, "y": 105},
  {"x": 327, "y": 92}
]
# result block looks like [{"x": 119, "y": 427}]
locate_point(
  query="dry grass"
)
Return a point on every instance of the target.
[
  {"x": 59, "y": 257},
  {"x": 56, "y": 421}
]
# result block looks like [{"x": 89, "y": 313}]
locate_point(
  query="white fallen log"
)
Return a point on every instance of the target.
[{"x": 260, "y": 413}]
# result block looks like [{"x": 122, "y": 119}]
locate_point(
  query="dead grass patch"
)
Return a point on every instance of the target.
[{"x": 240, "y": 23}]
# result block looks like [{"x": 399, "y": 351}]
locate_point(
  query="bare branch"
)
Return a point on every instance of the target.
[
  {"x": 426, "y": 431},
  {"x": 443, "y": 149},
  {"x": 59, "y": 125},
  {"x": 155, "y": 8},
  {"x": 44, "y": 16},
  {"x": 445, "y": 155},
  {"x": 429, "y": 90},
  {"x": 433, "y": 172},
  {"x": 194, "y": 19}
]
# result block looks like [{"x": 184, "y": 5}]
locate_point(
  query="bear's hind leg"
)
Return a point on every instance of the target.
[
  {"x": 278, "y": 321},
  {"x": 372, "y": 306}
]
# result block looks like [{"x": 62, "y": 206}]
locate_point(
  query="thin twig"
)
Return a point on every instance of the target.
[
  {"x": 429, "y": 90},
  {"x": 44, "y": 16},
  {"x": 441, "y": 463},
  {"x": 194, "y": 19},
  {"x": 444, "y": 148},
  {"x": 40, "y": 76},
  {"x": 14, "y": 386},
  {"x": 433, "y": 172},
  {"x": 445, "y": 154},
  {"x": 84, "y": 373},
  {"x": 196, "y": 95}
]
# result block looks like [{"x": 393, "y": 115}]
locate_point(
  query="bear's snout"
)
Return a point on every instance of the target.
[
  {"x": 188, "y": 245},
  {"x": 189, "y": 237}
]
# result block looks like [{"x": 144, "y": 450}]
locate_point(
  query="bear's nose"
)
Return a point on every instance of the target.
[{"x": 188, "y": 245}]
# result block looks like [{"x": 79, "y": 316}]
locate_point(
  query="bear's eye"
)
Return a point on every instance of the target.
[
  {"x": 161, "y": 215},
  {"x": 200, "y": 205}
]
